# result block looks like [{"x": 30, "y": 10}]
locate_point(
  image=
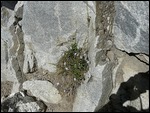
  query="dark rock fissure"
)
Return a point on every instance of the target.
[
  {"x": 17, "y": 51},
  {"x": 9, "y": 4},
  {"x": 105, "y": 12}
]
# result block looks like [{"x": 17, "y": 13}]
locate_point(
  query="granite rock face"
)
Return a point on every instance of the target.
[{"x": 131, "y": 26}]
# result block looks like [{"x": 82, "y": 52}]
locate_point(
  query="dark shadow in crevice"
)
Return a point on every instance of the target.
[
  {"x": 128, "y": 91},
  {"x": 142, "y": 60},
  {"x": 9, "y": 4},
  {"x": 135, "y": 55}
]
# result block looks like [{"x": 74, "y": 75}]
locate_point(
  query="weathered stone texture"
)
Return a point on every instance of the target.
[{"x": 131, "y": 26}]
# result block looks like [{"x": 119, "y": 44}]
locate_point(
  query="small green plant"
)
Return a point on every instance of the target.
[{"x": 73, "y": 63}]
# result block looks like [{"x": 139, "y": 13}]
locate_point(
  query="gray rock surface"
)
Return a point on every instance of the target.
[
  {"x": 12, "y": 47},
  {"x": 56, "y": 24},
  {"x": 19, "y": 9},
  {"x": 132, "y": 69},
  {"x": 131, "y": 26},
  {"x": 7, "y": 71},
  {"x": 43, "y": 90},
  {"x": 35, "y": 35},
  {"x": 6, "y": 43},
  {"x": 21, "y": 102},
  {"x": 95, "y": 90}
]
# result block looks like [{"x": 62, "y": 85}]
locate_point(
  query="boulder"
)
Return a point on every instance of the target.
[
  {"x": 21, "y": 102},
  {"x": 56, "y": 24},
  {"x": 43, "y": 90}
]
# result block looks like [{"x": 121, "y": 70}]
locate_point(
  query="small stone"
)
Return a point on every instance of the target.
[
  {"x": 64, "y": 63},
  {"x": 75, "y": 54},
  {"x": 84, "y": 55},
  {"x": 66, "y": 68},
  {"x": 74, "y": 79},
  {"x": 21, "y": 102},
  {"x": 57, "y": 84},
  {"x": 88, "y": 61},
  {"x": 43, "y": 90}
]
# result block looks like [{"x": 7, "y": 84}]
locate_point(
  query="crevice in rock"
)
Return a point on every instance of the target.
[
  {"x": 136, "y": 56},
  {"x": 28, "y": 68},
  {"x": 105, "y": 13},
  {"x": 33, "y": 67},
  {"x": 16, "y": 52},
  {"x": 17, "y": 68},
  {"x": 141, "y": 60}
]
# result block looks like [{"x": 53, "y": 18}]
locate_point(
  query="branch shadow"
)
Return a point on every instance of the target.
[{"x": 128, "y": 91}]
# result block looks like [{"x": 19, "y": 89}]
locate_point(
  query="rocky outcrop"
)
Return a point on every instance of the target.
[
  {"x": 113, "y": 36},
  {"x": 46, "y": 92},
  {"x": 112, "y": 62}
]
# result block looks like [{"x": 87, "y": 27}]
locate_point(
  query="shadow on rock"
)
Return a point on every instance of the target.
[
  {"x": 128, "y": 91},
  {"x": 21, "y": 102},
  {"x": 9, "y": 4}
]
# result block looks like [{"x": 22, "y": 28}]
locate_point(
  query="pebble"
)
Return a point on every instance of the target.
[
  {"x": 75, "y": 54},
  {"x": 57, "y": 84},
  {"x": 74, "y": 79},
  {"x": 66, "y": 68},
  {"x": 64, "y": 63}
]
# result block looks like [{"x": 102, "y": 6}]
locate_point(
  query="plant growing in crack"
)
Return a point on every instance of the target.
[{"x": 73, "y": 64}]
